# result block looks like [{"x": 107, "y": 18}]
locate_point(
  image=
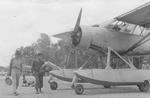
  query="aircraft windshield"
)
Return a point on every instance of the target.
[{"x": 124, "y": 27}]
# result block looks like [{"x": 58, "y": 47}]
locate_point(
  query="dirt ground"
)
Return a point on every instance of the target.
[{"x": 64, "y": 91}]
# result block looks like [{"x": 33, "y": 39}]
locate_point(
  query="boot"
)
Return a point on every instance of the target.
[
  {"x": 40, "y": 90},
  {"x": 37, "y": 92}
]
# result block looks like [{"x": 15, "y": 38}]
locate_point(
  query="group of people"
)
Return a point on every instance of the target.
[{"x": 16, "y": 69}]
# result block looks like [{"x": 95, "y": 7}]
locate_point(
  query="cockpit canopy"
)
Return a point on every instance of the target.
[{"x": 124, "y": 27}]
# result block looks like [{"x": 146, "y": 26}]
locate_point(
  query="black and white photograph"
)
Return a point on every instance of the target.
[{"x": 74, "y": 48}]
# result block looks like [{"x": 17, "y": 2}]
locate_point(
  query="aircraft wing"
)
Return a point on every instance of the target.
[
  {"x": 138, "y": 16},
  {"x": 63, "y": 36}
]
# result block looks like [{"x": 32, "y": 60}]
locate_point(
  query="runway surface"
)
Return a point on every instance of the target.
[{"x": 64, "y": 91}]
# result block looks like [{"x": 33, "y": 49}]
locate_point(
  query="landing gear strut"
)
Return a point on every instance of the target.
[{"x": 144, "y": 87}]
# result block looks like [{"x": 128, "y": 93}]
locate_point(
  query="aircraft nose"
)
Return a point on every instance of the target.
[{"x": 76, "y": 37}]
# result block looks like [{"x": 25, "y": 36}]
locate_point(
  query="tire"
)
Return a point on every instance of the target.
[
  {"x": 53, "y": 85},
  {"x": 107, "y": 86},
  {"x": 144, "y": 87},
  {"x": 79, "y": 89}
]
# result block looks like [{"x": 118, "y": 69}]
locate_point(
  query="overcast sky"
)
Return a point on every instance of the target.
[{"x": 21, "y": 21}]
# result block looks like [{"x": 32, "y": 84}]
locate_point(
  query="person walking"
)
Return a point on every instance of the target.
[
  {"x": 38, "y": 72},
  {"x": 15, "y": 70}
]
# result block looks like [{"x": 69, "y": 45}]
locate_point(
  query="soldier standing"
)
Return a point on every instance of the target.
[
  {"x": 15, "y": 70},
  {"x": 145, "y": 65},
  {"x": 37, "y": 72}
]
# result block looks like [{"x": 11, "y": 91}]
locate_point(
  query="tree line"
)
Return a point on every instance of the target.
[
  {"x": 64, "y": 55},
  {"x": 60, "y": 53}
]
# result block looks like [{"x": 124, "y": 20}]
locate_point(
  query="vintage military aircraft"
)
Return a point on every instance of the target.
[{"x": 123, "y": 37}]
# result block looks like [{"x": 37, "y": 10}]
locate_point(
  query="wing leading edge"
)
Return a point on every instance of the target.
[{"x": 139, "y": 16}]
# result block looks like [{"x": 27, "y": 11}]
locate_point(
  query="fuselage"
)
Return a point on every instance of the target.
[{"x": 104, "y": 38}]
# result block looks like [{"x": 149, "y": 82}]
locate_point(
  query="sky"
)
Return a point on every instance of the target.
[{"x": 21, "y": 21}]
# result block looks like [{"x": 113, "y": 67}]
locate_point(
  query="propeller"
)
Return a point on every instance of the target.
[
  {"x": 75, "y": 34},
  {"x": 78, "y": 21}
]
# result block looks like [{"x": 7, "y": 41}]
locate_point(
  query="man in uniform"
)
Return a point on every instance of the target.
[
  {"x": 37, "y": 72},
  {"x": 15, "y": 70},
  {"x": 145, "y": 65}
]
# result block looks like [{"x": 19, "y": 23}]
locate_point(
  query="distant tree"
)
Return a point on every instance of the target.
[
  {"x": 3, "y": 69},
  {"x": 61, "y": 53},
  {"x": 43, "y": 44}
]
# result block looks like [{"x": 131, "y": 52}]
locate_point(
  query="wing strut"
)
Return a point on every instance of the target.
[{"x": 139, "y": 43}]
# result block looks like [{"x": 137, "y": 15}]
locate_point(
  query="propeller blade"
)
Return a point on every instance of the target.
[
  {"x": 64, "y": 35},
  {"x": 74, "y": 35},
  {"x": 78, "y": 21}
]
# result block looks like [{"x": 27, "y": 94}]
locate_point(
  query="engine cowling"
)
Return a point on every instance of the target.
[{"x": 84, "y": 38}]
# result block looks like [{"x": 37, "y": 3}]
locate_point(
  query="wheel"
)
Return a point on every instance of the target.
[
  {"x": 53, "y": 85},
  {"x": 144, "y": 87},
  {"x": 79, "y": 89},
  {"x": 106, "y": 86}
]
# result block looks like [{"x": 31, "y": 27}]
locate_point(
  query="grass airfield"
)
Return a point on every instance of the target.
[{"x": 64, "y": 91}]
